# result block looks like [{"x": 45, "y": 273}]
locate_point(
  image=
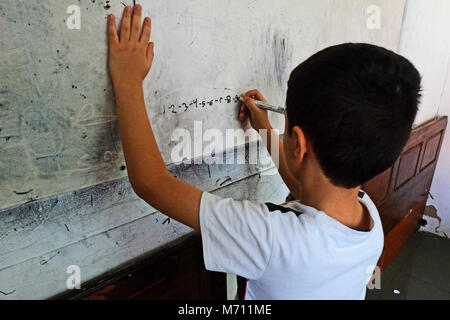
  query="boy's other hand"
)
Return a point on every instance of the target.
[
  {"x": 131, "y": 54},
  {"x": 259, "y": 118}
]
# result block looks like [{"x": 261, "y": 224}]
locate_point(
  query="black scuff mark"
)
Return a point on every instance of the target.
[
  {"x": 7, "y": 293},
  {"x": 228, "y": 178},
  {"x": 30, "y": 199},
  {"x": 43, "y": 261},
  {"x": 22, "y": 193},
  {"x": 166, "y": 221},
  {"x": 124, "y": 4}
]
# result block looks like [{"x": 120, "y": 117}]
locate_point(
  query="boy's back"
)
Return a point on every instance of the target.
[{"x": 289, "y": 251}]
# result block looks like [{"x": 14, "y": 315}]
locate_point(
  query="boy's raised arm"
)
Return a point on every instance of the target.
[
  {"x": 259, "y": 120},
  {"x": 130, "y": 60}
]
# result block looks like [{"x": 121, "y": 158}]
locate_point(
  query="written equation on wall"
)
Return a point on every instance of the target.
[{"x": 196, "y": 103}]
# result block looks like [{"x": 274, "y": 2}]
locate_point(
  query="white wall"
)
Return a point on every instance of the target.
[
  {"x": 440, "y": 188},
  {"x": 425, "y": 41}
]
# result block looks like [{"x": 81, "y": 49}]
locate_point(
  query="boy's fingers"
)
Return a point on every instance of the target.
[
  {"x": 251, "y": 106},
  {"x": 136, "y": 23},
  {"x": 150, "y": 52},
  {"x": 125, "y": 27},
  {"x": 146, "y": 31},
  {"x": 255, "y": 94},
  {"x": 112, "y": 30}
]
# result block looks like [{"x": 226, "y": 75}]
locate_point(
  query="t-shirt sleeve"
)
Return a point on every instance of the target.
[{"x": 236, "y": 235}]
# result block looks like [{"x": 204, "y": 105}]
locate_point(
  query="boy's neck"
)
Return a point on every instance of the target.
[{"x": 339, "y": 203}]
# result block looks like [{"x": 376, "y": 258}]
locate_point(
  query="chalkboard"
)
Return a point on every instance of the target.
[{"x": 58, "y": 121}]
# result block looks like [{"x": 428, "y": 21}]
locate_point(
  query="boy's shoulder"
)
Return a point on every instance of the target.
[{"x": 293, "y": 210}]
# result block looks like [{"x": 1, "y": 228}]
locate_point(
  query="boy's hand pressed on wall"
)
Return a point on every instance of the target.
[
  {"x": 259, "y": 118},
  {"x": 131, "y": 54}
]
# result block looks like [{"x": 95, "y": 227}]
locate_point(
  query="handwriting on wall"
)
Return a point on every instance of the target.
[{"x": 199, "y": 104}]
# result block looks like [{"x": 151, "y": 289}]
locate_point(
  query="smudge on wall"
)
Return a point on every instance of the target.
[{"x": 282, "y": 57}]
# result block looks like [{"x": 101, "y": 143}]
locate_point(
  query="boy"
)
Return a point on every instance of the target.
[{"x": 350, "y": 109}]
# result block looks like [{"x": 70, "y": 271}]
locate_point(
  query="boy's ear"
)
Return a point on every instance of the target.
[{"x": 300, "y": 143}]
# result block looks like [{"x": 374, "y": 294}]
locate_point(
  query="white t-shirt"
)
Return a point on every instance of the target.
[{"x": 289, "y": 251}]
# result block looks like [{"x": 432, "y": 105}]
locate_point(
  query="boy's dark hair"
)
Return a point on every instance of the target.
[{"x": 356, "y": 104}]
